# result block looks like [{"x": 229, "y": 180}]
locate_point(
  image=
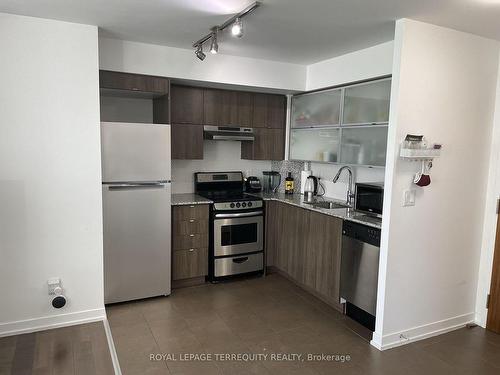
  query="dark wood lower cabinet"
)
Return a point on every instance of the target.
[
  {"x": 269, "y": 144},
  {"x": 305, "y": 245},
  {"x": 190, "y": 242},
  {"x": 190, "y": 263},
  {"x": 187, "y": 141},
  {"x": 324, "y": 251}
]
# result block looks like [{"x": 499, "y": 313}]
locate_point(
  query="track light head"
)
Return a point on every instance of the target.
[
  {"x": 199, "y": 53},
  {"x": 237, "y": 28},
  {"x": 214, "y": 46}
]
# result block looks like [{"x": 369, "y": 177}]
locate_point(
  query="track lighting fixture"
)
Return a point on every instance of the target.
[
  {"x": 199, "y": 53},
  {"x": 237, "y": 28},
  {"x": 214, "y": 46},
  {"x": 236, "y": 25}
]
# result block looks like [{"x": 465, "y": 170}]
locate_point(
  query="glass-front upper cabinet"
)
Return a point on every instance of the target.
[
  {"x": 367, "y": 103},
  {"x": 316, "y": 144},
  {"x": 364, "y": 145},
  {"x": 316, "y": 109}
]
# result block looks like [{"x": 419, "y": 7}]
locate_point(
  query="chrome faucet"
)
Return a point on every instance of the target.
[{"x": 350, "y": 188}]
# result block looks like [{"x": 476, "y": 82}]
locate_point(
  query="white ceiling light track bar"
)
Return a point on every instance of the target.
[{"x": 236, "y": 30}]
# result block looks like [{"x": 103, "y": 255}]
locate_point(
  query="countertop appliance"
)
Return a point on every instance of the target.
[
  {"x": 369, "y": 197},
  {"x": 272, "y": 181},
  {"x": 136, "y": 195},
  {"x": 236, "y": 244},
  {"x": 359, "y": 271},
  {"x": 311, "y": 188},
  {"x": 253, "y": 185}
]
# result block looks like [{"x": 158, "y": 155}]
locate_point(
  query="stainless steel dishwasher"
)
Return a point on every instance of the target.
[{"x": 359, "y": 271}]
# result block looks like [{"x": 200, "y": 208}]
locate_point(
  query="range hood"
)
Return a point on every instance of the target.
[{"x": 228, "y": 133}]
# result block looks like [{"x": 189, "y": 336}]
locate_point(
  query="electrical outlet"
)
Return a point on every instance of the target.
[
  {"x": 53, "y": 283},
  {"x": 409, "y": 197}
]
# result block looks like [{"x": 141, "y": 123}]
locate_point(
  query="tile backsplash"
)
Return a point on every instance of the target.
[{"x": 286, "y": 166}]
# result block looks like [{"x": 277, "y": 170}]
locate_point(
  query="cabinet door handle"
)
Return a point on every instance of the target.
[
  {"x": 191, "y": 235},
  {"x": 191, "y": 250},
  {"x": 191, "y": 220},
  {"x": 191, "y": 206}
]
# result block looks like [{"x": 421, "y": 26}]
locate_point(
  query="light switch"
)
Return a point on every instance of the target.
[{"x": 409, "y": 197}]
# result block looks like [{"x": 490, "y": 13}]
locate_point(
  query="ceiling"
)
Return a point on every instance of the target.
[{"x": 295, "y": 31}]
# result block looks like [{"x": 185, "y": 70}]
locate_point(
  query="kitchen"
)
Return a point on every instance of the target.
[
  {"x": 231, "y": 203},
  {"x": 255, "y": 123}
]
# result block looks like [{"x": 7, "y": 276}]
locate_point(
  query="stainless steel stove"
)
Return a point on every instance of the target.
[{"x": 236, "y": 225}]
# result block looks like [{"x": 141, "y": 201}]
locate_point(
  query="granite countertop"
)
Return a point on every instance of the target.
[
  {"x": 341, "y": 213},
  {"x": 188, "y": 199}
]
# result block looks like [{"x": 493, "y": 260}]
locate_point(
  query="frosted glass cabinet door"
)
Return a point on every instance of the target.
[
  {"x": 315, "y": 144},
  {"x": 322, "y": 108},
  {"x": 365, "y": 145},
  {"x": 367, "y": 103}
]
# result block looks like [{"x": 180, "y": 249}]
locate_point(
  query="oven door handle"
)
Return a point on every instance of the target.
[{"x": 239, "y": 214}]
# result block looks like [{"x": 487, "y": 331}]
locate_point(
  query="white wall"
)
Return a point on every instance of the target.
[
  {"x": 490, "y": 218},
  {"x": 367, "y": 63},
  {"x": 50, "y": 186},
  {"x": 444, "y": 84},
  {"x": 218, "y": 156},
  {"x": 180, "y": 63}
]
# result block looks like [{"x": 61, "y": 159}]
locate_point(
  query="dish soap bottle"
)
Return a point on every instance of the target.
[{"x": 289, "y": 184}]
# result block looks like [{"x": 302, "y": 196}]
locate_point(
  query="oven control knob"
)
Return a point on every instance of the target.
[
  {"x": 249, "y": 204},
  {"x": 243, "y": 204},
  {"x": 238, "y": 205},
  {"x": 231, "y": 205}
]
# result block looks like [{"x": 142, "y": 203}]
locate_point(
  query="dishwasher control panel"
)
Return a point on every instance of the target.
[{"x": 361, "y": 232}]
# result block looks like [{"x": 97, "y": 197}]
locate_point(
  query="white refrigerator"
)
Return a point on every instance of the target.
[{"x": 136, "y": 192}]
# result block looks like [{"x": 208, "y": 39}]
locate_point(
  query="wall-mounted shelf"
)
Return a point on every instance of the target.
[{"x": 419, "y": 154}]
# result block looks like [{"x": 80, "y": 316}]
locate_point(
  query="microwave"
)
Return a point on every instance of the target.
[{"x": 369, "y": 197}]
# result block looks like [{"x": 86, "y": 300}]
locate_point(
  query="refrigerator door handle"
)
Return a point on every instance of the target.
[{"x": 140, "y": 185}]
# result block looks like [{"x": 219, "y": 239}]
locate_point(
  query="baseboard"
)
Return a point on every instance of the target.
[
  {"x": 112, "y": 349},
  {"x": 408, "y": 336},
  {"x": 481, "y": 317},
  {"x": 49, "y": 322}
]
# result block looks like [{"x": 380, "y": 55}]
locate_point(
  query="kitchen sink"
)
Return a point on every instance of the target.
[{"x": 328, "y": 205}]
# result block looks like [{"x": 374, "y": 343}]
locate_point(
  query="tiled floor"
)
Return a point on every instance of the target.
[
  {"x": 271, "y": 315},
  {"x": 81, "y": 350}
]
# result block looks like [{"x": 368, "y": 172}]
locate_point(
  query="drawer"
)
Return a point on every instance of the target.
[
  {"x": 191, "y": 226},
  {"x": 190, "y": 241},
  {"x": 239, "y": 264},
  {"x": 190, "y": 263},
  {"x": 195, "y": 211}
]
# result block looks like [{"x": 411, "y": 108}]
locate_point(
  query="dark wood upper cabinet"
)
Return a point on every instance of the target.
[
  {"x": 212, "y": 104},
  {"x": 269, "y": 144},
  {"x": 187, "y": 141},
  {"x": 220, "y": 107},
  {"x": 186, "y": 105},
  {"x": 269, "y": 111},
  {"x": 229, "y": 110},
  {"x": 133, "y": 82},
  {"x": 276, "y": 111},
  {"x": 245, "y": 108},
  {"x": 259, "y": 111}
]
